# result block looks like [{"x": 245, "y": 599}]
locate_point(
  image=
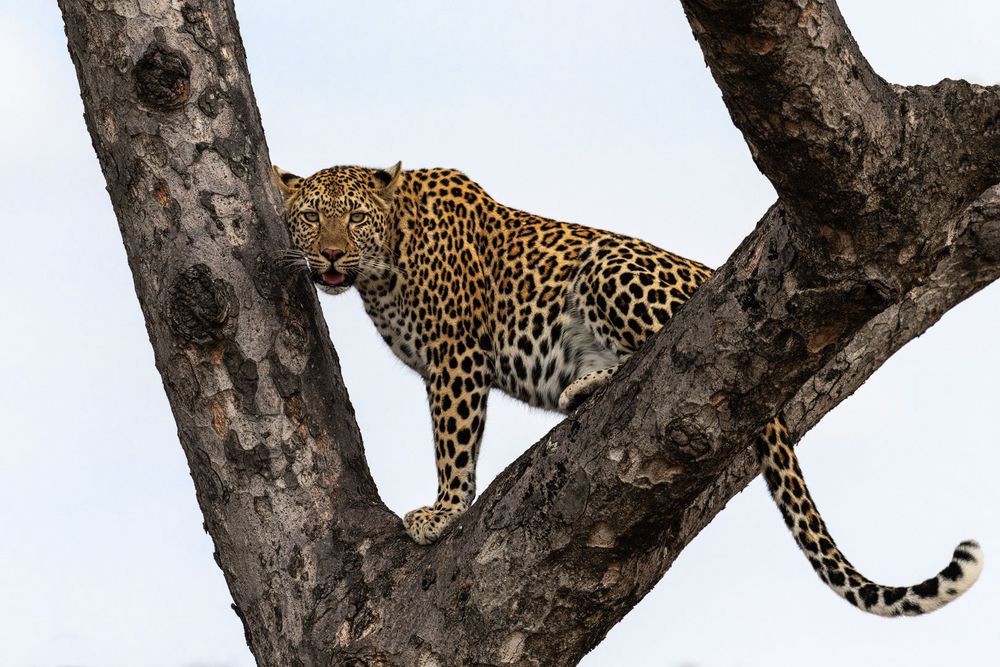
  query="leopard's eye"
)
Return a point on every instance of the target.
[
  {"x": 358, "y": 216},
  {"x": 311, "y": 216}
]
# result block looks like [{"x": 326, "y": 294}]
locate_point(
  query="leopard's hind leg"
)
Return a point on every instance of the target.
[{"x": 581, "y": 388}]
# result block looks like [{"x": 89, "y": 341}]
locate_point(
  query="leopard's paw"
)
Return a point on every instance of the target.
[
  {"x": 427, "y": 524},
  {"x": 576, "y": 393},
  {"x": 571, "y": 397},
  {"x": 580, "y": 389}
]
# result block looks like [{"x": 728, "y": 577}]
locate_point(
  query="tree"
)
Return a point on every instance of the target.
[{"x": 885, "y": 220}]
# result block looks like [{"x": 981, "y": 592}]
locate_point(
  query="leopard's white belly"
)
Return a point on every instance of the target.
[{"x": 537, "y": 374}]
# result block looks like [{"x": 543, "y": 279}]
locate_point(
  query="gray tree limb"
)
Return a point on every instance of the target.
[{"x": 883, "y": 224}]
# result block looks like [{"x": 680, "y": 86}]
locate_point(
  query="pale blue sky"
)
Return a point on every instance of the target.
[{"x": 594, "y": 112}]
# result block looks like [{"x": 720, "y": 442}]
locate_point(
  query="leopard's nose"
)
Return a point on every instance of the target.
[{"x": 332, "y": 254}]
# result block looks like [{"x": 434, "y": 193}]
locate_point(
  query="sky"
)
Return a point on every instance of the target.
[{"x": 593, "y": 112}]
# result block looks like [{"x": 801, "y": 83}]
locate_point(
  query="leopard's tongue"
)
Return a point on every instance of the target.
[{"x": 332, "y": 278}]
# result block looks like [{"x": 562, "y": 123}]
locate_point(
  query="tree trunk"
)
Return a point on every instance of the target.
[{"x": 885, "y": 220}]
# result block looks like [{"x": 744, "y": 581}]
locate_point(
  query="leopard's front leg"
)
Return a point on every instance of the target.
[{"x": 457, "y": 395}]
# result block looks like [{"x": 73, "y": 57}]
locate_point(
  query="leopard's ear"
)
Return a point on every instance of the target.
[
  {"x": 390, "y": 179},
  {"x": 288, "y": 183}
]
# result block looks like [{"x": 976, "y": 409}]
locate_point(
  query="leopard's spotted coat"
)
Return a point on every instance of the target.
[{"x": 472, "y": 294}]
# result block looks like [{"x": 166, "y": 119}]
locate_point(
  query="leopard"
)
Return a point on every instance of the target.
[{"x": 474, "y": 295}]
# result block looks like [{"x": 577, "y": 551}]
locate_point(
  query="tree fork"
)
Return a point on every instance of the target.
[{"x": 581, "y": 526}]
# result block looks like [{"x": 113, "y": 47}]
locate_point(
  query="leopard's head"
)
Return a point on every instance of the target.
[{"x": 338, "y": 219}]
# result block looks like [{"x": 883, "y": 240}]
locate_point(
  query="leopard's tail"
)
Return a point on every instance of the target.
[{"x": 784, "y": 479}]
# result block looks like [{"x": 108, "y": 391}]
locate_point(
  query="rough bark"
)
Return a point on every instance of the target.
[{"x": 884, "y": 223}]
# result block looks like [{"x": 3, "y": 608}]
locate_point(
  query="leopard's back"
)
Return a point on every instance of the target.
[{"x": 521, "y": 288}]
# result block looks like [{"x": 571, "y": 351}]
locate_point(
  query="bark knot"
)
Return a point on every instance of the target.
[
  {"x": 199, "y": 305},
  {"x": 162, "y": 78}
]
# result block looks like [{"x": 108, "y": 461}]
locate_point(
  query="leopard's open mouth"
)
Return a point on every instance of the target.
[{"x": 334, "y": 278}]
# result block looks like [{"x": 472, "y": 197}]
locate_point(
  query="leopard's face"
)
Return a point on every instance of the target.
[{"x": 338, "y": 219}]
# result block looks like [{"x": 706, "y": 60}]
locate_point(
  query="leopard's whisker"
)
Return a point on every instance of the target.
[{"x": 379, "y": 265}]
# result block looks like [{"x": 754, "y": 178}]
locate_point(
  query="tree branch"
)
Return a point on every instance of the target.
[
  {"x": 247, "y": 364},
  {"x": 844, "y": 148},
  {"x": 821, "y": 124},
  {"x": 969, "y": 262}
]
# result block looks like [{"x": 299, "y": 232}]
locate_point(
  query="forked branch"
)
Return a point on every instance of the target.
[{"x": 867, "y": 247}]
